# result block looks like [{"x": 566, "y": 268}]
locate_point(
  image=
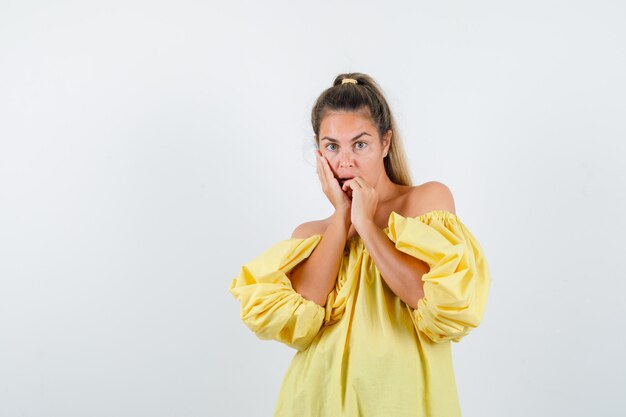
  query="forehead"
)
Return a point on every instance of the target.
[{"x": 345, "y": 125}]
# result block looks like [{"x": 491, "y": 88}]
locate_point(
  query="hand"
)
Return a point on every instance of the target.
[
  {"x": 338, "y": 198},
  {"x": 364, "y": 202}
]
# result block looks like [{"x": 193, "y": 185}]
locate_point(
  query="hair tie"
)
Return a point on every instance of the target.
[{"x": 349, "y": 80}]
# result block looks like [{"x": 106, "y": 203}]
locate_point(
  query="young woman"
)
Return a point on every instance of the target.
[{"x": 372, "y": 296}]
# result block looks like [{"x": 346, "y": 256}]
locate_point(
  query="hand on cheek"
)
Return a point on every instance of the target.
[{"x": 330, "y": 185}]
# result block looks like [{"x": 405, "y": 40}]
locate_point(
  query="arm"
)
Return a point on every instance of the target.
[
  {"x": 315, "y": 278},
  {"x": 403, "y": 272}
]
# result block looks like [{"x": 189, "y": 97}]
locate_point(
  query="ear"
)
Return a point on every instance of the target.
[{"x": 387, "y": 142}]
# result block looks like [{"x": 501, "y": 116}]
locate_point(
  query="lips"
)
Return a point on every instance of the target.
[{"x": 344, "y": 179}]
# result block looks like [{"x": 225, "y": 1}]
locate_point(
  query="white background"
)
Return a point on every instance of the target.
[{"x": 149, "y": 149}]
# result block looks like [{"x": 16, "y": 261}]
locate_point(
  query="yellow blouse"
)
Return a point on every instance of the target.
[{"x": 367, "y": 353}]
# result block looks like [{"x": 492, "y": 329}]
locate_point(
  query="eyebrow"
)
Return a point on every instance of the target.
[{"x": 351, "y": 140}]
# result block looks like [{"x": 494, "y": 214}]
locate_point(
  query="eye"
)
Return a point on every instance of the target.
[
  {"x": 361, "y": 147},
  {"x": 330, "y": 144}
]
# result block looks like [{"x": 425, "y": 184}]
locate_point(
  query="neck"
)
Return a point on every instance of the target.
[{"x": 385, "y": 188}]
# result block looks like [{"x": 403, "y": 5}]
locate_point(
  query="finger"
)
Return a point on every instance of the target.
[
  {"x": 318, "y": 155},
  {"x": 346, "y": 188},
  {"x": 320, "y": 171},
  {"x": 352, "y": 183},
  {"x": 324, "y": 164},
  {"x": 317, "y": 164},
  {"x": 361, "y": 182},
  {"x": 327, "y": 171}
]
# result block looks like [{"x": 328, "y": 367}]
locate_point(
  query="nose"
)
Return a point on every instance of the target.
[{"x": 345, "y": 160}]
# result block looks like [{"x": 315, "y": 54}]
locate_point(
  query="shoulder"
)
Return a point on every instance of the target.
[
  {"x": 432, "y": 195},
  {"x": 309, "y": 229}
]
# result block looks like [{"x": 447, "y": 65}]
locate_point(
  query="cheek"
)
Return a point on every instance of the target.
[
  {"x": 367, "y": 158},
  {"x": 331, "y": 157},
  {"x": 332, "y": 161}
]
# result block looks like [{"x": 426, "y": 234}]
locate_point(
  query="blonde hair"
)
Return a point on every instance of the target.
[{"x": 365, "y": 94}]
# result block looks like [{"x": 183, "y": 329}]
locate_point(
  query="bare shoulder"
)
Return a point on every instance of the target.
[
  {"x": 308, "y": 229},
  {"x": 432, "y": 195}
]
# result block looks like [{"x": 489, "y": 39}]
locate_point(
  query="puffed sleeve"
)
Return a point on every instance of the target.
[
  {"x": 457, "y": 285},
  {"x": 270, "y": 307}
]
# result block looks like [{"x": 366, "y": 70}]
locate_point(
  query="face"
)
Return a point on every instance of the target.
[{"x": 352, "y": 145}]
